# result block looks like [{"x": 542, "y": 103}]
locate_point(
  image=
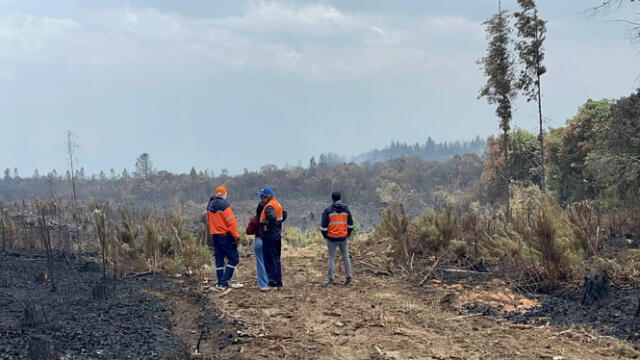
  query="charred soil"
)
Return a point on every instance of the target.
[{"x": 128, "y": 323}]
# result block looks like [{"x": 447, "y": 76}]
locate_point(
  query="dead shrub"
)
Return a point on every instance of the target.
[
  {"x": 470, "y": 230},
  {"x": 151, "y": 245},
  {"x": 10, "y": 232},
  {"x": 546, "y": 233},
  {"x": 586, "y": 219},
  {"x": 394, "y": 226}
]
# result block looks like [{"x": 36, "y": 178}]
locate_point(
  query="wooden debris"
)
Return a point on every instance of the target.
[
  {"x": 41, "y": 348},
  {"x": 463, "y": 316},
  {"x": 596, "y": 288},
  {"x": 99, "y": 292},
  {"x": 34, "y": 315}
]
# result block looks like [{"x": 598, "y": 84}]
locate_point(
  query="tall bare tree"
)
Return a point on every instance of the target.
[
  {"x": 50, "y": 179},
  {"x": 531, "y": 32},
  {"x": 609, "y": 5},
  {"x": 72, "y": 148},
  {"x": 498, "y": 67}
]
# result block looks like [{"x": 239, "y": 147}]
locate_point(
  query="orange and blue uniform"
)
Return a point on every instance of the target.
[
  {"x": 336, "y": 227},
  {"x": 271, "y": 220},
  {"x": 224, "y": 234},
  {"x": 221, "y": 219},
  {"x": 337, "y": 222}
]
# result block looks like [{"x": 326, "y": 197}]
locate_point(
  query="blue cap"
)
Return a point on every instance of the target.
[{"x": 265, "y": 191}]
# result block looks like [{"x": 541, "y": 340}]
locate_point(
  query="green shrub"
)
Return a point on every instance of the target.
[
  {"x": 296, "y": 237},
  {"x": 424, "y": 234}
]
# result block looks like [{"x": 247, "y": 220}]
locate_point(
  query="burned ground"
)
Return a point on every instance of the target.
[
  {"x": 129, "y": 324},
  {"x": 461, "y": 316}
]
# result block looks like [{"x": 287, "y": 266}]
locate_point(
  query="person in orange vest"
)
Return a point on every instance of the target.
[
  {"x": 336, "y": 227},
  {"x": 271, "y": 220},
  {"x": 224, "y": 236}
]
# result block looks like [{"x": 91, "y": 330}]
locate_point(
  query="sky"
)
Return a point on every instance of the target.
[{"x": 239, "y": 84}]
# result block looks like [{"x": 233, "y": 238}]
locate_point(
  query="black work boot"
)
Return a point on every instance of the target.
[
  {"x": 348, "y": 281},
  {"x": 328, "y": 282}
]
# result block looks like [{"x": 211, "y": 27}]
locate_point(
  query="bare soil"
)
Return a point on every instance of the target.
[{"x": 382, "y": 317}]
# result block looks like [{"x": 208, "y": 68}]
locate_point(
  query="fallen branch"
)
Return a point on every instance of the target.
[
  {"x": 131, "y": 276},
  {"x": 433, "y": 267},
  {"x": 464, "y": 316}
]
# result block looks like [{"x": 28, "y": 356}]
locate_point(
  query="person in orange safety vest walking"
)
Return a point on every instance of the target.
[
  {"x": 336, "y": 227},
  {"x": 224, "y": 236}
]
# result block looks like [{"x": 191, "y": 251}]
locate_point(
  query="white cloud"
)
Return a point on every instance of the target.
[
  {"x": 315, "y": 41},
  {"x": 452, "y": 25},
  {"x": 279, "y": 17},
  {"x": 30, "y": 33}
]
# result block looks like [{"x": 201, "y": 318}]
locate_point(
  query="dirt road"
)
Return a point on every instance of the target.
[{"x": 376, "y": 318}]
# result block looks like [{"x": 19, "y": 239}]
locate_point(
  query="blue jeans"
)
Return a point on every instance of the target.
[
  {"x": 224, "y": 247},
  {"x": 261, "y": 272}
]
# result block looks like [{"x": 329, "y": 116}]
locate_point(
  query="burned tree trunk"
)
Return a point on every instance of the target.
[
  {"x": 41, "y": 348},
  {"x": 99, "y": 292},
  {"x": 596, "y": 288},
  {"x": 46, "y": 240},
  {"x": 34, "y": 315}
]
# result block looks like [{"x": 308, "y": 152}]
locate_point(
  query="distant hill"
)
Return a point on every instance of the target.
[{"x": 428, "y": 150}]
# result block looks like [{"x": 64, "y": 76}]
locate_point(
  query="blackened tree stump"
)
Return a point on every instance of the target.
[
  {"x": 34, "y": 315},
  {"x": 99, "y": 292},
  {"x": 90, "y": 266},
  {"x": 41, "y": 348},
  {"x": 596, "y": 288}
]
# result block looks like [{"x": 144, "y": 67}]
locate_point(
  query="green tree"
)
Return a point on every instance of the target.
[
  {"x": 499, "y": 89},
  {"x": 522, "y": 165},
  {"x": 531, "y": 32},
  {"x": 569, "y": 147},
  {"x": 615, "y": 161}
]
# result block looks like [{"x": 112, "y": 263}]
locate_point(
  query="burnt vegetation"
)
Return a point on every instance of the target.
[{"x": 557, "y": 212}]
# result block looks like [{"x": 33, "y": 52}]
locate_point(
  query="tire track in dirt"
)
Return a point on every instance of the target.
[{"x": 376, "y": 318}]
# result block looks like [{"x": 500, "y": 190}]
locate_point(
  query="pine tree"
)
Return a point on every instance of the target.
[
  {"x": 499, "y": 89},
  {"x": 531, "y": 33},
  {"x": 144, "y": 166}
]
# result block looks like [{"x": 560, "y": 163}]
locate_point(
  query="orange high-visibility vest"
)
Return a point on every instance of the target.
[
  {"x": 338, "y": 226},
  {"x": 222, "y": 220},
  {"x": 277, "y": 208}
]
